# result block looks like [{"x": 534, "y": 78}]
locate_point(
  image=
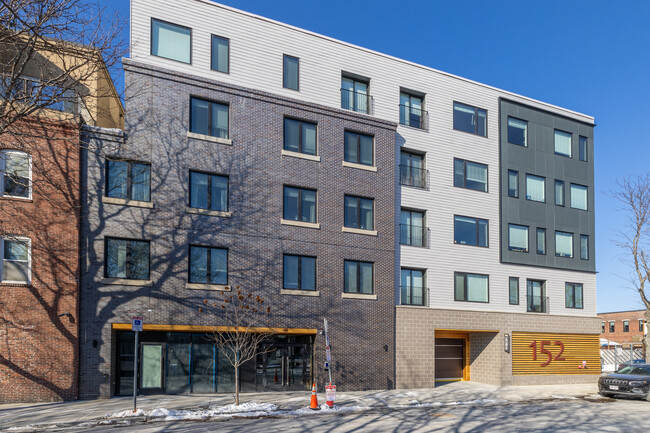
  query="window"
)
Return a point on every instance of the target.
[
  {"x": 358, "y": 148},
  {"x": 15, "y": 174},
  {"x": 358, "y": 277},
  {"x": 300, "y": 136},
  {"x": 584, "y": 247},
  {"x": 412, "y": 228},
  {"x": 602, "y": 324},
  {"x": 412, "y": 287},
  {"x": 470, "y": 175},
  {"x": 578, "y": 197},
  {"x": 573, "y": 295},
  {"x": 611, "y": 326},
  {"x": 16, "y": 259},
  {"x": 470, "y": 119},
  {"x": 535, "y": 188},
  {"x": 536, "y": 296},
  {"x": 299, "y": 272},
  {"x": 470, "y": 231},
  {"x": 127, "y": 258},
  {"x": 411, "y": 170},
  {"x": 640, "y": 325},
  {"x": 220, "y": 60},
  {"x": 564, "y": 244},
  {"x": 517, "y": 131},
  {"x": 208, "y": 118},
  {"x": 513, "y": 183},
  {"x": 410, "y": 110},
  {"x": 626, "y": 326},
  {"x": 128, "y": 180},
  {"x": 290, "y": 72},
  {"x": 208, "y": 265},
  {"x": 208, "y": 191},
  {"x": 562, "y": 143},
  {"x": 354, "y": 95},
  {"x": 514, "y": 291},
  {"x": 559, "y": 192},
  {"x": 299, "y": 204},
  {"x": 171, "y": 41},
  {"x": 359, "y": 212},
  {"x": 541, "y": 241},
  {"x": 582, "y": 148},
  {"x": 471, "y": 287},
  {"x": 518, "y": 238}
]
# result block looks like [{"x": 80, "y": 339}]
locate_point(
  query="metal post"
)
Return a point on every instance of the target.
[
  {"x": 327, "y": 343},
  {"x": 615, "y": 357},
  {"x": 135, "y": 372},
  {"x": 631, "y": 353}
]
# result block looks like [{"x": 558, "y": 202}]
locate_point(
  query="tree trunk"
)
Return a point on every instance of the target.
[{"x": 237, "y": 385}]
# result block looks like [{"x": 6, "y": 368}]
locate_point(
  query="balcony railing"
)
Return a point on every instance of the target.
[
  {"x": 356, "y": 101},
  {"x": 537, "y": 304},
  {"x": 415, "y": 177},
  {"x": 410, "y": 295},
  {"x": 413, "y": 117},
  {"x": 415, "y": 236}
]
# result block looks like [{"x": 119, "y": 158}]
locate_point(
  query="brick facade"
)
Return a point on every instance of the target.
[
  {"x": 633, "y": 335},
  {"x": 39, "y": 321},
  {"x": 361, "y": 330}
]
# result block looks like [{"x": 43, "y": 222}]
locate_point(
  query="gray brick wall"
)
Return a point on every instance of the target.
[{"x": 157, "y": 117}]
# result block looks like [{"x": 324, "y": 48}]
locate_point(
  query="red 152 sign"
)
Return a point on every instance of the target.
[{"x": 544, "y": 351}]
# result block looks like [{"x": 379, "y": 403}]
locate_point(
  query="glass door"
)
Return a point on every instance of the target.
[
  {"x": 178, "y": 368},
  {"x": 203, "y": 368},
  {"x": 151, "y": 373},
  {"x": 298, "y": 368}
]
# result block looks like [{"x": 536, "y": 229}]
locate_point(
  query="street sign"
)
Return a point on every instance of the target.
[
  {"x": 328, "y": 353},
  {"x": 330, "y": 395},
  {"x": 327, "y": 365},
  {"x": 506, "y": 343},
  {"x": 136, "y": 324}
]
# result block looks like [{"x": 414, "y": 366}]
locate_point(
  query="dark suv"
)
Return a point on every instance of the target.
[{"x": 631, "y": 380}]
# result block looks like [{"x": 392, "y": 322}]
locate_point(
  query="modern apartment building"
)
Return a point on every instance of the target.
[{"x": 439, "y": 224}]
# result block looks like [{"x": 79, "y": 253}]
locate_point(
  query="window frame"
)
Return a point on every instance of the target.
[
  {"x": 537, "y": 233},
  {"x": 284, "y": 77},
  {"x": 423, "y": 176},
  {"x": 210, "y": 102},
  {"x": 465, "y": 287},
  {"x": 584, "y": 237},
  {"x": 410, "y": 96},
  {"x": 358, "y": 262},
  {"x": 209, "y": 264},
  {"x": 626, "y": 325},
  {"x": 516, "y": 249},
  {"x": 3, "y": 239},
  {"x": 300, "y": 191},
  {"x": 641, "y": 323},
  {"x": 409, "y": 230},
  {"x": 568, "y": 286},
  {"x": 300, "y": 135},
  {"x": 583, "y": 151},
  {"x": 476, "y": 109},
  {"x": 510, "y": 290},
  {"x": 3, "y": 160},
  {"x": 476, "y": 222},
  {"x": 129, "y": 177},
  {"x": 570, "y": 155},
  {"x": 346, "y": 134},
  {"x": 359, "y": 198},
  {"x": 212, "y": 37},
  {"x": 528, "y": 175},
  {"x": 586, "y": 189},
  {"x": 128, "y": 255},
  {"x": 572, "y": 244},
  {"x": 300, "y": 257},
  {"x": 176, "y": 25},
  {"x": 356, "y": 80},
  {"x": 516, "y": 175},
  {"x": 612, "y": 326},
  {"x": 209, "y": 198},
  {"x": 602, "y": 324},
  {"x": 465, "y": 161},
  {"x": 508, "y": 131},
  {"x": 556, "y": 184}
]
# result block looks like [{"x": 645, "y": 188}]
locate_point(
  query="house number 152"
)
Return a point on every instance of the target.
[{"x": 543, "y": 350}]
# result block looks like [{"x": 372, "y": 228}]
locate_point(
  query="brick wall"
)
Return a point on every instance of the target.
[
  {"x": 39, "y": 348},
  {"x": 618, "y": 336}
]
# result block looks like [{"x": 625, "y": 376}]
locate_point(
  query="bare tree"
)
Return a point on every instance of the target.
[{"x": 246, "y": 329}]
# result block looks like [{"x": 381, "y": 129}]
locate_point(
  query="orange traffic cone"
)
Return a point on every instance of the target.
[{"x": 314, "y": 399}]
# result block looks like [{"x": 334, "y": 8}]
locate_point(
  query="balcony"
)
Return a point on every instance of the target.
[
  {"x": 356, "y": 101},
  {"x": 413, "y": 117},
  {"x": 415, "y": 236},
  {"x": 537, "y": 304},
  {"x": 415, "y": 177},
  {"x": 409, "y": 295}
]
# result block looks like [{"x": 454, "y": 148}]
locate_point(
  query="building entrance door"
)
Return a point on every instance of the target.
[
  {"x": 450, "y": 360},
  {"x": 152, "y": 368},
  {"x": 285, "y": 367}
]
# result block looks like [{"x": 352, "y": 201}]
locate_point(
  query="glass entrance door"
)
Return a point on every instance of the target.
[
  {"x": 203, "y": 368},
  {"x": 151, "y": 374},
  {"x": 286, "y": 367},
  {"x": 178, "y": 368}
]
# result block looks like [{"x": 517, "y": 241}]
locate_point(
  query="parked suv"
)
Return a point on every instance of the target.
[{"x": 631, "y": 380}]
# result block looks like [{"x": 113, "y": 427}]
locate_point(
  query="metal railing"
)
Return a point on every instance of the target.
[
  {"x": 415, "y": 236},
  {"x": 409, "y": 295},
  {"x": 415, "y": 177},
  {"x": 537, "y": 304},
  {"x": 414, "y": 117},
  {"x": 356, "y": 101}
]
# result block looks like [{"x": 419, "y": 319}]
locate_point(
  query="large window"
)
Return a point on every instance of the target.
[
  {"x": 470, "y": 119},
  {"x": 513, "y": 291},
  {"x": 412, "y": 291},
  {"x": 564, "y": 244},
  {"x": 517, "y": 238},
  {"x": 471, "y": 175},
  {"x": 299, "y": 204},
  {"x": 171, "y": 41},
  {"x": 517, "y": 131},
  {"x": 290, "y": 72},
  {"x": 573, "y": 295},
  {"x": 559, "y": 192},
  {"x": 536, "y": 296},
  {"x": 299, "y": 272},
  {"x": 535, "y": 188},
  {"x": 582, "y": 148},
  {"x": 541, "y": 240},
  {"x": 358, "y": 148},
  {"x": 126, "y": 258},
  {"x": 513, "y": 183},
  {"x": 584, "y": 247},
  {"x": 358, "y": 277},
  {"x": 471, "y": 287},
  {"x": 470, "y": 231},
  {"x": 354, "y": 95},
  {"x": 359, "y": 212},
  {"x": 208, "y": 265},
  {"x": 411, "y": 170},
  {"x": 208, "y": 191},
  {"x": 208, "y": 118},
  {"x": 562, "y": 143},
  {"x": 410, "y": 110},
  {"x": 300, "y": 136},
  {"x": 412, "y": 229},
  {"x": 220, "y": 60},
  {"x": 128, "y": 180},
  {"x": 578, "y": 197},
  {"x": 16, "y": 259},
  {"x": 15, "y": 174}
]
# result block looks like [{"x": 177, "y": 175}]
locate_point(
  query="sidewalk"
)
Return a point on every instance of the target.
[{"x": 79, "y": 412}]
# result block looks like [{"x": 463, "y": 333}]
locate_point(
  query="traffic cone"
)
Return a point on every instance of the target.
[{"x": 314, "y": 399}]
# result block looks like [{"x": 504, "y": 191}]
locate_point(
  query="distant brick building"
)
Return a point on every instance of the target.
[{"x": 623, "y": 327}]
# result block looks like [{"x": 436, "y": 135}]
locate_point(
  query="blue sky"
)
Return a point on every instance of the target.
[{"x": 589, "y": 56}]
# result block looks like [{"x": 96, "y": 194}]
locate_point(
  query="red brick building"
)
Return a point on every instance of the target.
[{"x": 623, "y": 327}]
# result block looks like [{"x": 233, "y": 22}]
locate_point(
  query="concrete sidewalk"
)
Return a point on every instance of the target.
[{"x": 77, "y": 412}]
